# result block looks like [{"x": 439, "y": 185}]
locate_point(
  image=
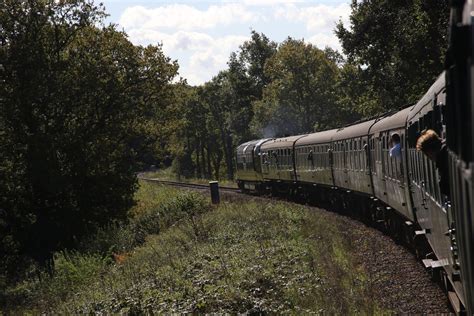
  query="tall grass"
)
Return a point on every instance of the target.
[
  {"x": 253, "y": 257},
  {"x": 244, "y": 256}
]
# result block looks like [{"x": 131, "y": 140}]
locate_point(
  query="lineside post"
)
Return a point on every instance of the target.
[{"x": 214, "y": 192}]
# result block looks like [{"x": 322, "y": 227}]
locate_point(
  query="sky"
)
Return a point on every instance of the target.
[{"x": 201, "y": 35}]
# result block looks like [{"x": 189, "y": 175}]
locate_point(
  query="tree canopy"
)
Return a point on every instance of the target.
[
  {"x": 301, "y": 95},
  {"x": 397, "y": 49},
  {"x": 75, "y": 98}
]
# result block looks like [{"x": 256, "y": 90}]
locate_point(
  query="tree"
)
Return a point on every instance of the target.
[
  {"x": 252, "y": 56},
  {"x": 73, "y": 101},
  {"x": 397, "y": 48},
  {"x": 161, "y": 105},
  {"x": 301, "y": 96}
]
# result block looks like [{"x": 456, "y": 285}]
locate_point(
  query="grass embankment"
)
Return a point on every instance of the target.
[
  {"x": 168, "y": 174},
  {"x": 178, "y": 254}
]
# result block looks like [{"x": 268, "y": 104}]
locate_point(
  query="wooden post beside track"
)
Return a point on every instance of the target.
[{"x": 214, "y": 192}]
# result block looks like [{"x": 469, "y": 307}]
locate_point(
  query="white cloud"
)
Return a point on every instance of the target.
[
  {"x": 268, "y": 2},
  {"x": 317, "y": 18},
  {"x": 321, "y": 40},
  {"x": 202, "y": 37},
  {"x": 181, "y": 40},
  {"x": 203, "y": 55},
  {"x": 186, "y": 17},
  {"x": 206, "y": 63}
]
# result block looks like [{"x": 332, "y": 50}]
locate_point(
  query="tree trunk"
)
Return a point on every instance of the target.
[
  {"x": 227, "y": 144},
  {"x": 217, "y": 163},
  {"x": 230, "y": 158},
  {"x": 198, "y": 161},
  {"x": 209, "y": 169},
  {"x": 203, "y": 160}
]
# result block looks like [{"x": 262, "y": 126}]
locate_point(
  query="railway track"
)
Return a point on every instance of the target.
[{"x": 186, "y": 185}]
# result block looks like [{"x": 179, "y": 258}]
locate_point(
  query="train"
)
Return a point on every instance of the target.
[{"x": 351, "y": 169}]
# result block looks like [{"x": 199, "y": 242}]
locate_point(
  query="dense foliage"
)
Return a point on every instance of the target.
[
  {"x": 78, "y": 102},
  {"x": 301, "y": 96},
  {"x": 397, "y": 49}
]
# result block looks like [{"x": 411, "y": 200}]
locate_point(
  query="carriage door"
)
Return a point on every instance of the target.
[
  {"x": 378, "y": 178},
  {"x": 369, "y": 165}
]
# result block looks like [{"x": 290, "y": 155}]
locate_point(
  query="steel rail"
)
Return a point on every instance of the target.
[{"x": 186, "y": 185}]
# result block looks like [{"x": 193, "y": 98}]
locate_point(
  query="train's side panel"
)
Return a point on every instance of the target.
[
  {"x": 313, "y": 164},
  {"x": 390, "y": 173},
  {"x": 249, "y": 165},
  {"x": 246, "y": 163},
  {"x": 460, "y": 140},
  {"x": 339, "y": 167},
  {"x": 428, "y": 202},
  {"x": 376, "y": 144},
  {"x": 351, "y": 170},
  {"x": 313, "y": 158},
  {"x": 277, "y": 159}
]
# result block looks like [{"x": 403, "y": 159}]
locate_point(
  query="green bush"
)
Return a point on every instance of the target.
[
  {"x": 186, "y": 205},
  {"x": 72, "y": 272},
  {"x": 118, "y": 238},
  {"x": 113, "y": 238}
]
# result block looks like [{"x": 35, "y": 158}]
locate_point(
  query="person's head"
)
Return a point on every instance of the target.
[
  {"x": 395, "y": 138},
  {"x": 429, "y": 143}
]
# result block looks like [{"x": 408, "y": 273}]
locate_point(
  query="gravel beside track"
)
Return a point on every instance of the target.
[{"x": 398, "y": 281}]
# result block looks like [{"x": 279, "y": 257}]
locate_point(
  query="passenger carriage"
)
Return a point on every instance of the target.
[
  {"x": 313, "y": 158},
  {"x": 248, "y": 162},
  {"x": 277, "y": 161},
  {"x": 429, "y": 206},
  {"x": 390, "y": 174},
  {"x": 460, "y": 141},
  {"x": 350, "y": 168}
]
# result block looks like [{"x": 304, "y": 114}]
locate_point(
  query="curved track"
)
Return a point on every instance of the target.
[{"x": 187, "y": 185}]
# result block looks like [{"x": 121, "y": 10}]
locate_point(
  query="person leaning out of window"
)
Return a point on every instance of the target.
[{"x": 435, "y": 149}]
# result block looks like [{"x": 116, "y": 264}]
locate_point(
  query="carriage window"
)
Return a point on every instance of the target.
[
  {"x": 338, "y": 155},
  {"x": 341, "y": 155},
  {"x": 326, "y": 155},
  {"x": 424, "y": 172},
  {"x": 418, "y": 163},
  {"x": 349, "y": 153},
  {"x": 316, "y": 162},
  {"x": 384, "y": 160},
  {"x": 366, "y": 156},
  {"x": 414, "y": 174},
  {"x": 358, "y": 156},
  {"x": 354, "y": 152},
  {"x": 430, "y": 176},
  {"x": 437, "y": 193},
  {"x": 352, "y": 155},
  {"x": 377, "y": 149}
]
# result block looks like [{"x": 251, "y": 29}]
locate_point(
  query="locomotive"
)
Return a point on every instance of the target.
[{"x": 351, "y": 169}]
